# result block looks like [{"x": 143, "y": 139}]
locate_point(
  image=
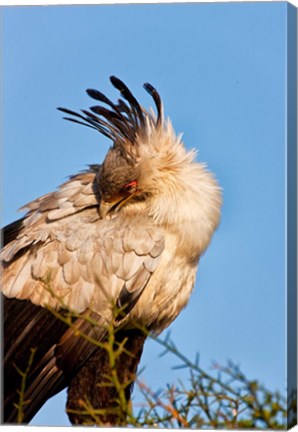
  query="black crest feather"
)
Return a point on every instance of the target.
[{"x": 123, "y": 120}]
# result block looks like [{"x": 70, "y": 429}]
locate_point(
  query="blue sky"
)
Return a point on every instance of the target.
[{"x": 220, "y": 69}]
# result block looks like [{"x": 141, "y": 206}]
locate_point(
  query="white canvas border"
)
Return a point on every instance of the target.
[{"x": 95, "y": 2}]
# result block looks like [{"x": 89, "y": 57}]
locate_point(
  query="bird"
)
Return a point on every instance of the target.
[{"x": 125, "y": 235}]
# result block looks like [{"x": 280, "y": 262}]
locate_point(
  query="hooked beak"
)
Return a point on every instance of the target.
[{"x": 107, "y": 207}]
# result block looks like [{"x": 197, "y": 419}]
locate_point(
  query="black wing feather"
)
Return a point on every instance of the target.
[
  {"x": 11, "y": 231},
  {"x": 26, "y": 327},
  {"x": 59, "y": 353}
]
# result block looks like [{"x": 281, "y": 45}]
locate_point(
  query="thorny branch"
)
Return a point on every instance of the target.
[{"x": 225, "y": 399}]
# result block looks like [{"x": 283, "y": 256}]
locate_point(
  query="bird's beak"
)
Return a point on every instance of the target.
[{"x": 106, "y": 207}]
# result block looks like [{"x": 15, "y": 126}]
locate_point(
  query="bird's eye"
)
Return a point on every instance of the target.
[{"x": 131, "y": 185}]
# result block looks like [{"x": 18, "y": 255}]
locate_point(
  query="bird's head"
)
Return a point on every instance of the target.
[{"x": 147, "y": 166}]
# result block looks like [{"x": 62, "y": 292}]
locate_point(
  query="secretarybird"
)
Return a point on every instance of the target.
[{"x": 125, "y": 235}]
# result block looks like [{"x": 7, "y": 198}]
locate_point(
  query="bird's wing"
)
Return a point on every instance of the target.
[
  {"x": 48, "y": 349},
  {"x": 63, "y": 256},
  {"x": 29, "y": 333}
]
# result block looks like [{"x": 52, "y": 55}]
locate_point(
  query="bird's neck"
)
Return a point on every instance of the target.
[
  {"x": 185, "y": 197},
  {"x": 190, "y": 209}
]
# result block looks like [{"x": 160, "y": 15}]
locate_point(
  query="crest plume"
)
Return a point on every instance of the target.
[{"x": 122, "y": 121}]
